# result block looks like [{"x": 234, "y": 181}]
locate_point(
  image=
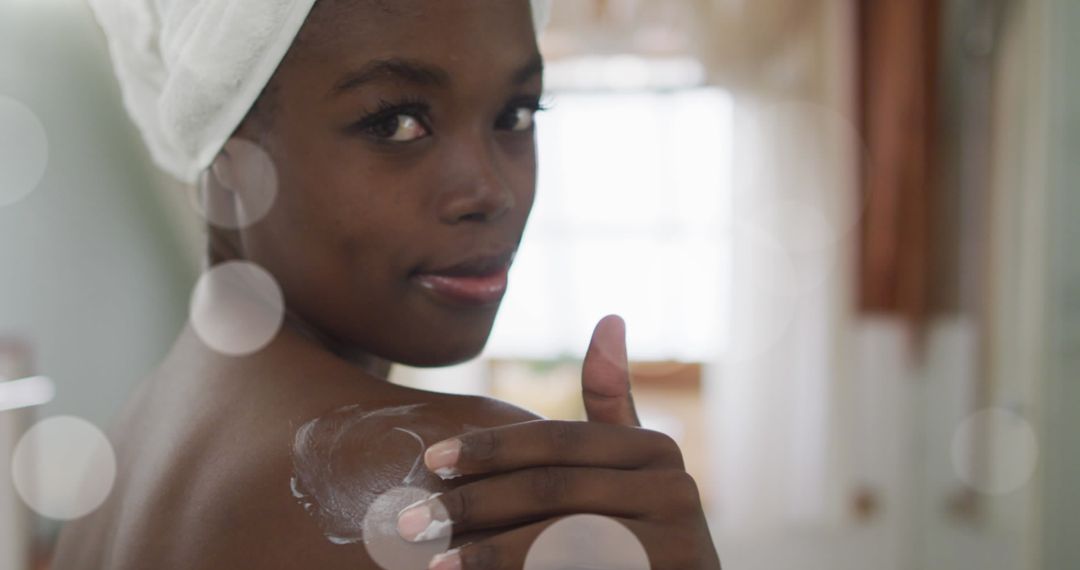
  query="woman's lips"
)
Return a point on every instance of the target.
[{"x": 473, "y": 290}]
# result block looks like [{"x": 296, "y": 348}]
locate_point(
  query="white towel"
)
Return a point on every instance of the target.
[{"x": 190, "y": 70}]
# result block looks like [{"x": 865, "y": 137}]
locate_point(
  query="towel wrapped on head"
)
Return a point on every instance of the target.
[{"x": 190, "y": 70}]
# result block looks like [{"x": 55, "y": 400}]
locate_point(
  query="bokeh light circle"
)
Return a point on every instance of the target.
[
  {"x": 63, "y": 467},
  {"x": 587, "y": 541},
  {"x": 237, "y": 308},
  {"x": 240, "y": 188},
  {"x": 1006, "y": 442},
  {"x": 24, "y": 151},
  {"x": 384, "y": 545}
]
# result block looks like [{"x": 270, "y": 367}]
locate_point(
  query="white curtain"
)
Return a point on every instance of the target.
[{"x": 776, "y": 392}]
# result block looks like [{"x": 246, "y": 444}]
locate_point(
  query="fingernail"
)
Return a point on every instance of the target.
[
  {"x": 449, "y": 560},
  {"x": 413, "y": 522},
  {"x": 417, "y": 523},
  {"x": 442, "y": 457}
]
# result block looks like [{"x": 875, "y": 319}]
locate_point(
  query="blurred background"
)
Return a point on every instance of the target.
[{"x": 839, "y": 231}]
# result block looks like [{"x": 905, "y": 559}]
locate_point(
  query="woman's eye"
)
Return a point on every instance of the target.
[
  {"x": 399, "y": 128},
  {"x": 519, "y": 119}
]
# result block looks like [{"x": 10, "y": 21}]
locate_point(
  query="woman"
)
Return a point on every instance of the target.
[{"x": 401, "y": 134}]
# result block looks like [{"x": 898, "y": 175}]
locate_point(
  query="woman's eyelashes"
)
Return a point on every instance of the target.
[
  {"x": 520, "y": 115},
  {"x": 410, "y": 120},
  {"x": 401, "y": 122}
]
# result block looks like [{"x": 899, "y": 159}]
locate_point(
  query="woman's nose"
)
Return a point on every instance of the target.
[{"x": 480, "y": 193}]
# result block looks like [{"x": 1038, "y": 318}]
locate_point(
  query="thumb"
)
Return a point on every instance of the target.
[{"x": 605, "y": 376}]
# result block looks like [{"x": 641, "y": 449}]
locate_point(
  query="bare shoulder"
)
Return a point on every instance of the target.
[{"x": 312, "y": 496}]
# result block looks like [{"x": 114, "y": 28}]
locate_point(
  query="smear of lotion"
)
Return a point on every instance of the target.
[
  {"x": 415, "y": 471},
  {"x": 338, "y": 466}
]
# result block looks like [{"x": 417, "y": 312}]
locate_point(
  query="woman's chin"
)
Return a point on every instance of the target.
[
  {"x": 438, "y": 339},
  {"x": 443, "y": 356}
]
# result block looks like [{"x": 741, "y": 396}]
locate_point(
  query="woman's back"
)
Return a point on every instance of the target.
[{"x": 204, "y": 481}]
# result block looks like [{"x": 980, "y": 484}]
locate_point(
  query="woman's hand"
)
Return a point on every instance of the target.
[{"x": 529, "y": 475}]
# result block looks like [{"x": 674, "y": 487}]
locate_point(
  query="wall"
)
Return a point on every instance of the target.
[
  {"x": 91, "y": 272},
  {"x": 1060, "y": 517}
]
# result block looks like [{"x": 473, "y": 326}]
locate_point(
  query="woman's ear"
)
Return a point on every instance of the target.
[{"x": 240, "y": 186}]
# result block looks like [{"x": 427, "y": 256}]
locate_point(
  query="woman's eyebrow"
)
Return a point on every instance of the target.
[
  {"x": 418, "y": 73},
  {"x": 535, "y": 66},
  {"x": 409, "y": 70}
]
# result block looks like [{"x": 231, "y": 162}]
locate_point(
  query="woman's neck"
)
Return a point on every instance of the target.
[
  {"x": 221, "y": 249},
  {"x": 373, "y": 365}
]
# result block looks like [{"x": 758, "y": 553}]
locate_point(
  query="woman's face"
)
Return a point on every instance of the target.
[{"x": 401, "y": 131}]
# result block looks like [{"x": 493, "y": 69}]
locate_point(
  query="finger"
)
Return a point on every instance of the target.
[
  {"x": 532, "y": 547},
  {"x": 605, "y": 376},
  {"x": 551, "y": 443},
  {"x": 528, "y": 495}
]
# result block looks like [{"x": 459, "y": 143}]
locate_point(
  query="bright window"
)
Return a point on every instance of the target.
[{"x": 631, "y": 217}]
